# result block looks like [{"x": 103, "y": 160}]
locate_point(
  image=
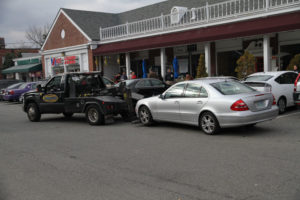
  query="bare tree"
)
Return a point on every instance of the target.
[{"x": 37, "y": 35}]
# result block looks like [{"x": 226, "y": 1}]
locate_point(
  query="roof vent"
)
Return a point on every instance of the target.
[{"x": 177, "y": 14}]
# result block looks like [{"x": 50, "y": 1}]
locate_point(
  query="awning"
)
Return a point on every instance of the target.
[{"x": 23, "y": 69}]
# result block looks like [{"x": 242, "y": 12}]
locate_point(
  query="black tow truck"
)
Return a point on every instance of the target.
[{"x": 75, "y": 93}]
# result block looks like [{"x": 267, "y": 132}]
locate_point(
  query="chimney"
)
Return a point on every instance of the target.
[{"x": 2, "y": 43}]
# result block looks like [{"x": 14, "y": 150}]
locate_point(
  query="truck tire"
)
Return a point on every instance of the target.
[
  {"x": 33, "y": 112},
  {"x": 94, "y": 116}
]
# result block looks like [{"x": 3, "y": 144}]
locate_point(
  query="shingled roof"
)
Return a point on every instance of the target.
[{"x": 90, "y": 22}]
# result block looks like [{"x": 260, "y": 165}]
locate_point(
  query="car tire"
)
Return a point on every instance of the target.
[
  {"x": 94, "y": 116},
  {"x": 145, "y": 116},
  {"x": 281, "y": 105},
  {"x": 209, "y": 123},
  {"x": 68, "y": 115},
  {"x": 33, "y": 112}
]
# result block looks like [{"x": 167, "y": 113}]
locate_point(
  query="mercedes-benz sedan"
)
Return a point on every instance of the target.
[{"x": 210, "y": 104}]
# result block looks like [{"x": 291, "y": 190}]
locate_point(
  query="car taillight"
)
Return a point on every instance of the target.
[
  {"x": 239, "y": 105},
  {"x": 11, "y": 92},
  {"x": 274, "y": 101},
  {"x": 296, "y": 82}
]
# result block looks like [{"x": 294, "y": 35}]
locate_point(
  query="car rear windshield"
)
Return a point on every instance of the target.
[
  {"x": 232, "y": 87},
  {"x": 258, "y": 78}
]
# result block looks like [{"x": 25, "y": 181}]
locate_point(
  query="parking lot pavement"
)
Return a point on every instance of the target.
[{"x": 69, "y": 159}]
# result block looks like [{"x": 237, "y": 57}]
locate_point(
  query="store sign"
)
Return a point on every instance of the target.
[{"x": 68, "y": 60}]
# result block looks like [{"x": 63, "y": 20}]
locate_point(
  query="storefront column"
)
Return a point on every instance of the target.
[
  {"x": 17, "y": 76},
  {"x": 163, "y": 62},
  {"x": 267, "y": 54},
  {"x": 128, "y": 65},
  {"x": 207, "y": 50}
]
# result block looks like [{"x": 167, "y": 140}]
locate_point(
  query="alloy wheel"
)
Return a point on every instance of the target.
[{"x": 208, "y": 124}]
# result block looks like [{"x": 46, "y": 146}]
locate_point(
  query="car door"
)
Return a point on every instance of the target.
[
  {"x": 144, "y": 88},
  {"x": 285, "y": 87},
  {"x": 158, "y": 87},
  {"x": 194, "y": 99},
  {"x": 167, "y": 108},
  {"x": 52, "y": 100}
]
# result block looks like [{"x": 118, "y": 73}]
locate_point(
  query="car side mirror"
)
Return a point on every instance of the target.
[
  {"x": 39, "y": 88},
  {"x": 161, "y": 96}
]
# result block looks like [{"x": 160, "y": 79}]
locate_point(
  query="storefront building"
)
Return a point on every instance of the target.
[
  {"x": 27, "y": 69},
  {"x": 221, "y": 30}
]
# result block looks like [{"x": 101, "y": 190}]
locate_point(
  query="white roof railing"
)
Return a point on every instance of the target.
[{"x": 220, "y": 13}]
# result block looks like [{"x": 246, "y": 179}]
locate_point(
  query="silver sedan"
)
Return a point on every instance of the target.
[{"x": 211, "y": 104}]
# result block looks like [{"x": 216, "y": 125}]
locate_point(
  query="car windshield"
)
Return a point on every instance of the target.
[
  {"x": 14, "y": 86},
  {"x": 23, "y": 86},
  {"x": 258, "y": 78},
  {"x": 232, "y": 87}
]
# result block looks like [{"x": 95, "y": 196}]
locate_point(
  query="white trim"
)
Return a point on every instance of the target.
[
  {"x": 283, "y": 43},
  {"x": 192, "y": 26},
  {"x": 26, "y": 58},
  {"x": 65, "y": 49},
  {"x": 53, "y": 24}
]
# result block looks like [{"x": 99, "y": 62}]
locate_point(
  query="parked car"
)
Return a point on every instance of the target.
[
  {"x": 13, "y": 86},
  {"x": 41, "y": 83},
  {"x": 280, "y": 83},
  {"x": 219, "y": 77},
  {"x": 143, "y": 88},
  {"x": 14, "y": 94},
  {"x": 210, "y": 104},
  {"x": 297, "y": 90}
]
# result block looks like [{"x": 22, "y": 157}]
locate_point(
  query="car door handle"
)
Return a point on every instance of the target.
[{"x": 199, "y": 102}]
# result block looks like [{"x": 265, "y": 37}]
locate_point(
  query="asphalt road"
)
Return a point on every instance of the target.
[{"x": 69, "y": 160}]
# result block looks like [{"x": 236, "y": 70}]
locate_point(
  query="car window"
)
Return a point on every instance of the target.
[
  {"x": 286, "y": 78},
  {"x": 258, "y": 78},
  {"x": 54, "y": 83},
  {"x": 232, "y": 87},
  {"x": 143, "y": 83},
  {"x": 203, "y": 93},
  {"x": 107, "y": 82},
  {"x": 23, "y": 86},
  {"x": 175, "y": 91},
  {"x": 157, "y": 83},
  {"x": 192, "y": 90}
]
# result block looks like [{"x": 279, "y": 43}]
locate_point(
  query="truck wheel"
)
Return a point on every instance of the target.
[
  {"x": 33, "y": 112},
  {"x": 94, "y": 116},
  {"x": 68, "y": 115}
]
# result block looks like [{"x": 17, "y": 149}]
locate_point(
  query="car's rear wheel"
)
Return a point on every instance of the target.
[
  {"x": 281, "y": 105},
  {"x": 94, "y": 116},
  {"x": 68, "y": 115},
  {"x": 33, "y": 112},
  {"x": 209, "y": 123},
  {"x": 145, "y": 116}
]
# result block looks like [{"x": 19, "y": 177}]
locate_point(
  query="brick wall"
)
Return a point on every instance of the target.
[{"x": 73, "y": 36}]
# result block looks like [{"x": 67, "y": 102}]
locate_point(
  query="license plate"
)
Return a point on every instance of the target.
[{"x": 261, "y": 104}]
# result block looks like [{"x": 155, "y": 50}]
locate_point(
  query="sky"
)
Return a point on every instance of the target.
[{"x": 16, "y": 16}]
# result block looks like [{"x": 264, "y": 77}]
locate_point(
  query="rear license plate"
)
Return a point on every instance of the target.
[{"x": 261, "y": 104}]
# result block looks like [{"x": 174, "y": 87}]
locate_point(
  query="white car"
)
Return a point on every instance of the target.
[{"x": 280, "y": 83}]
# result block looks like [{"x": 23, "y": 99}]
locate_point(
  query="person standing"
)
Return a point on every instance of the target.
[
  {"x": 133, "y": 76},
  {"x": 124, "y": 76},
  {"x": 296, "y": 69},
  {"x": 152, "y": 74}
]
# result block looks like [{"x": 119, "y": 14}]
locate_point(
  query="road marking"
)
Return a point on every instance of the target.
[{"x": 295, "y": 113}]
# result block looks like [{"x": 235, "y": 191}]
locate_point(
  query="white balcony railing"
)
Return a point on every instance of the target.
[{"x": 221, "y": 12}]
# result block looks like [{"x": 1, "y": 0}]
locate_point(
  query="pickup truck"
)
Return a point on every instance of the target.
[{"x": 75, "y": 93}]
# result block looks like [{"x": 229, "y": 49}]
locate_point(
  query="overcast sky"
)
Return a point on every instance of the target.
[{"x": 17, "y": 15}]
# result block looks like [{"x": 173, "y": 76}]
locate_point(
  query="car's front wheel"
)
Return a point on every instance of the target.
[
  {"x": 145, "y": 116},
  {"x": 209, "y": 123},
  {"x": 94, "y": 116},
  {"x": 33, "y": 112}
]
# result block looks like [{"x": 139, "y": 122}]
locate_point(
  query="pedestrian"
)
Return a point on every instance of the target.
[
  {"x": 117, "y": 77},
  {"x": 152, "y": 74},
  {"x": 124, "y": 76},
  {"x": 296, "y": 69},
  {"x": 188, "y": 77},
  {"x": 133, "y": 76},
  {"x": 169, "y": 76}
]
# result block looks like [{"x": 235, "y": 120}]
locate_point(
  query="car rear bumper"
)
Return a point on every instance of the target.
[
  {"x": 297, "y": 98},
  {"x": 9, "y": 97},
  {"x": 243, "y": 118}
]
